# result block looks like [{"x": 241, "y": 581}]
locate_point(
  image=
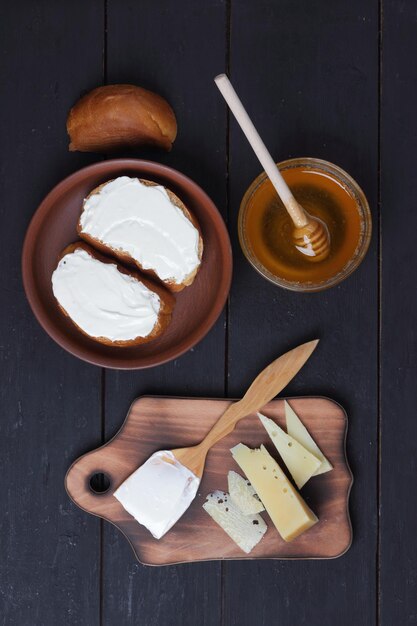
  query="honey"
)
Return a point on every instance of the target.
[{"x": 266, "y": 228}]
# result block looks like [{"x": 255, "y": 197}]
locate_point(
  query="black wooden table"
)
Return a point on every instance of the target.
[{"x": 335, "y": 80}]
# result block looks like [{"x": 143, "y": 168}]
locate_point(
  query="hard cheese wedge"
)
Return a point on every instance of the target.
[
  {"x": 243, "y": 494},
  {"x": 298, "y": 431},
  {"x": 285, "y": 506},
  {"x": 245, "y": 530},
  {"x": 300, "y": 462}
]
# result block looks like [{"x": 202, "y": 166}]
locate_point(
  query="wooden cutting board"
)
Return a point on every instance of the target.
[{"x": 156, "y": 423}]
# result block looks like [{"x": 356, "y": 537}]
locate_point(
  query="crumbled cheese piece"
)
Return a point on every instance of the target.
[
  {"x": 243, "y": 494},
  {"x": 245, "y": 530}
]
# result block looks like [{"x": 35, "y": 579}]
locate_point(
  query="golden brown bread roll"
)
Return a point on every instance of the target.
[{"x": 116, "y": 116}]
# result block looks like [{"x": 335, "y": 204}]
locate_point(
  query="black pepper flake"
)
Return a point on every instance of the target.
[
  {"x": 255, "y": 522},
  {"x": 220, "y": 501},
  {"x": 227, "y": 509}
]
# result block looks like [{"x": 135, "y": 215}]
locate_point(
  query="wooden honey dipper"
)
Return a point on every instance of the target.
[{"x": 310, "y": 235}]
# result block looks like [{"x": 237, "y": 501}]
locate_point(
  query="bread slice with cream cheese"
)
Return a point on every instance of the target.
[
  {"x": 144, "y": 224},
  {"x": 106, "y": 302}
]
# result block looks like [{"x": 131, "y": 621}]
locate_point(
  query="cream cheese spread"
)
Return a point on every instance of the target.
[
  {"x": 142, "y": 221},
  {"x": 102, "y": 301},
  {"x": 159, "y": 492}
]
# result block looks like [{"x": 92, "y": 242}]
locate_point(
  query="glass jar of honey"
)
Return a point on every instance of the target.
[{"x": 325, "y": 191}]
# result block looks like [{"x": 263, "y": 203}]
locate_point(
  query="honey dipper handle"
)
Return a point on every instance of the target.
[
  {"x": 295, "y": 211},
  {"x": 263, "y": 389}
]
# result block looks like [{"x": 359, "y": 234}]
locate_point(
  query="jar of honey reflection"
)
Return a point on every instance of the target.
[{"x": 326, "y": 192}]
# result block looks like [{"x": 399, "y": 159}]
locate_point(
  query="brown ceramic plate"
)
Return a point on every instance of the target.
[{"x": 53, "y": 227}]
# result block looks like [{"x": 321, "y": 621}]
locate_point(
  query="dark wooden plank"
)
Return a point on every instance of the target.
[
  {"x": 308, "y": 73},
  {"x": 50, "y": 401},
  {"x": 398, "y": 546},
  {"x": 174, "y": 49}
]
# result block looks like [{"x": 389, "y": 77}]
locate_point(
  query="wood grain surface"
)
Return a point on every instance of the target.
[
  {"x": 194, "y": 46},
  {"x": 334, "y": 80},
  {"x": 398, "y": 361},
  {"x": 167, "y": 423},
  {"x": 44, "y": 424},
  {"x": 307, "y": 73}
]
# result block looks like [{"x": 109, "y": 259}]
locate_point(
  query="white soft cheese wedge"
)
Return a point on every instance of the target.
[
  {"x": 101, "y": 300},
  {"x": 301, "y": 464},
  {"x": 159, "y": 492},
  {"x": 298, "y": 431},
  {"x": 243, "y": 494},
  {"x": 245, "y": 530},
  {"x": 286, "y": 508},
  {"x": 142, "y": 221}
]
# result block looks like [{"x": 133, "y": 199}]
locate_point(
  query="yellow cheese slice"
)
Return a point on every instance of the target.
[
  {"x": 286, "y": 508},
  {"x": 297, "y": 430},
  {"x": 301, "y": 463}
]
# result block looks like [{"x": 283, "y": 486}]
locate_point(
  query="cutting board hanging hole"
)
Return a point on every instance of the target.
[{"x": 99, "y": 483}]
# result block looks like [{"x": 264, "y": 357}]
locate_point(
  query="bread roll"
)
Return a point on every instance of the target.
[{"x": 116, "y": 116}]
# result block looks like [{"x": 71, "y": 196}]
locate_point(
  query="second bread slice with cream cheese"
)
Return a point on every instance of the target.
[
  {"x": 143, "y": 223},
  {"x": 106, "y": 302}
]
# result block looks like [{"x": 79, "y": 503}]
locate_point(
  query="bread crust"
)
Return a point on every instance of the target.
[
  {"x": 127, "y": 258},
  {"x": 166, "y": 298},
  {"x": 116, "y": 116}
]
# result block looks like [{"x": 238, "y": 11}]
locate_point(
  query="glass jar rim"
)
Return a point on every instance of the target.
[{"x": 342, "y": 177}]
